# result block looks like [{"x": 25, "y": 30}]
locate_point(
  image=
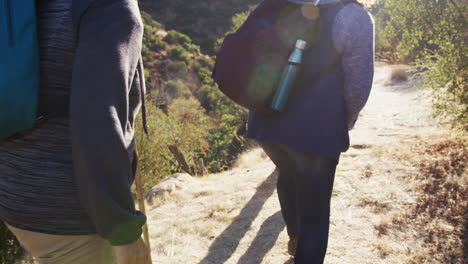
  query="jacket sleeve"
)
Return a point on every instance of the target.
[
  {"x": 353, "y": 37},
  {"x": 108, "y": 49}
]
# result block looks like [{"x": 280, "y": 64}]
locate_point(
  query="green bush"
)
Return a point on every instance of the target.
[
  {"x": 175, "y": 37},
  {"x": 448, "y": 76},
  {"x": 193, "y": 127},
  {"x": 151, "y": 42},
  {"x": 206, "y": 62},
  {"x": 173, "y": 88},
  {"x": 195, "y": 66},
  {"x": 192, "y": 48},
  {"x": 204, "y": 75},
  {"x": 10, "y": 249},
  {"x": 208, "y": 132},
  {"x": 197, "y": 134},
  {"x": 186, "y": 125},
  {"x": 229, "y": 118},
  {"x": 431, "y": 33},
  {"x": 383, "y": 42},
  {"x": 223, "y": 151},
  {"x": 177, "y": 67},
  {"x": 179, "y": 53},
  {"x": 149, "y": 21}
]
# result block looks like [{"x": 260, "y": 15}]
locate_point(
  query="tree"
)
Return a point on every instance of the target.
[{"x": 432, "y": 33}]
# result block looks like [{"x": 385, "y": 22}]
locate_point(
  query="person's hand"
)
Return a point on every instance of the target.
[{"x": 134, "y": 253}]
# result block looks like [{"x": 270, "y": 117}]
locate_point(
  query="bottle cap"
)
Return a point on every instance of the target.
[{"x": 301, "y": 44}]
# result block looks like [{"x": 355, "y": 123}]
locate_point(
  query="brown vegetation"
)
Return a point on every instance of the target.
[
  {"x": 399, "y": 74},
  {"x": 439, "y": 218}
]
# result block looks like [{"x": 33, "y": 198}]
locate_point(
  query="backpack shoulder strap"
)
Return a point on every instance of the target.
[
  {"x": 335, "y": 8},
  {"x": 78, "y": 7}
]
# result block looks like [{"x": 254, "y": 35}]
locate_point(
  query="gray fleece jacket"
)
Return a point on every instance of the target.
[{"x": 72, "y": 174}]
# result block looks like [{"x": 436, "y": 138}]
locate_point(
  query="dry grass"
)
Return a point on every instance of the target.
[
  {"x": 251, "y": 158},
  {"x": 399, "y": 73},
  {"x": 218, "y": 213},
  {"x": 439, "y": 218}
]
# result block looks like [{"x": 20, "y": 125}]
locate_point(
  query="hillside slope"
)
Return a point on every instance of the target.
[
  {"x": 234, "y": 217},
  {"x": 204, "y": 20}
]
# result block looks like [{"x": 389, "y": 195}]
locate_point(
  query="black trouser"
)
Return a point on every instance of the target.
[{"x": 305, "y": 185}]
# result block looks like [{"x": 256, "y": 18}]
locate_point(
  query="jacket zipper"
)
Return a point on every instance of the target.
[{"x": 9, "y": 23}]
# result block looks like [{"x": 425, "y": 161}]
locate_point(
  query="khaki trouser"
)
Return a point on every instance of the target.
[{"x": 58, "y": 249}]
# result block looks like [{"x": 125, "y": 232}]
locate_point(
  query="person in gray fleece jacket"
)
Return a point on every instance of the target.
[
  {"x": 306, "y": 140},
  {"x": 65, "y": 185}
]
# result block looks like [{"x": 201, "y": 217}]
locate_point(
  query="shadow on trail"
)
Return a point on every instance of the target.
[
  {"x": 226, "y": 244},
  {"x": 265, "y": 239}
]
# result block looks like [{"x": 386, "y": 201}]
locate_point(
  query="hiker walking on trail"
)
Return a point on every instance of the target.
[
  {"x": 306, "y": 139},
  {"x": 65, "y": 184}
]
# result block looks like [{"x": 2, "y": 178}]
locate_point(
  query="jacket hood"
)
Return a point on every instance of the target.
[{"x": 314, "y": 2}]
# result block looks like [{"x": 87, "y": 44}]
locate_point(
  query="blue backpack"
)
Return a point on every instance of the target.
[{"x": 19, "y": 66}]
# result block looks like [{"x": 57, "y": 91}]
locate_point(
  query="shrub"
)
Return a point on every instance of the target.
[
  {"x": 151, "y": 41},
  {"x": 155, "y": 160},
  {"x": 192, "y": 48},
  {"x": 148, "y": 20},
  {"x": 145, "y": 51},
  {"x": 193, "y": 127},
  {"x": 174, "y": 88},
  {"x": 10, "y": 249},
  {"x": 229, "y": 118},
  {"x": 174, "y": 37},
  {"x": 223, "y": 152},
  {"x": 177, "y": 67},
  {"x": 204, "y": 75},
  {"x": 398, "y": 74},
  {"x": 186, "y": 125},
  {"x": 179, "y": 53},
  {"x": 215, "y": 139},
  {"x": 206, "y": 62},
  {"x": 432, "y": 33},
  {"x": 177, "y": 38},
  {"x": 195, "y": 66}
]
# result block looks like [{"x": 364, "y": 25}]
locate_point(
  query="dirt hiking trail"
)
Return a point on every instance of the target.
[{"x": 234, "y": 217}]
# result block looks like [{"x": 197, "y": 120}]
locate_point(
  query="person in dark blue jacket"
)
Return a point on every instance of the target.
[
  {"x": 305, "y": 141},
  {"x": 65, "y": 185}
]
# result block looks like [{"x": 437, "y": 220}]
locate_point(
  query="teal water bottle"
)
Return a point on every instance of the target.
[{"x": 289, "y": 77}]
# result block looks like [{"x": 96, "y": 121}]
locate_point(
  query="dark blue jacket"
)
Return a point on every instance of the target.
[{"x": 315, "y": 118}]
